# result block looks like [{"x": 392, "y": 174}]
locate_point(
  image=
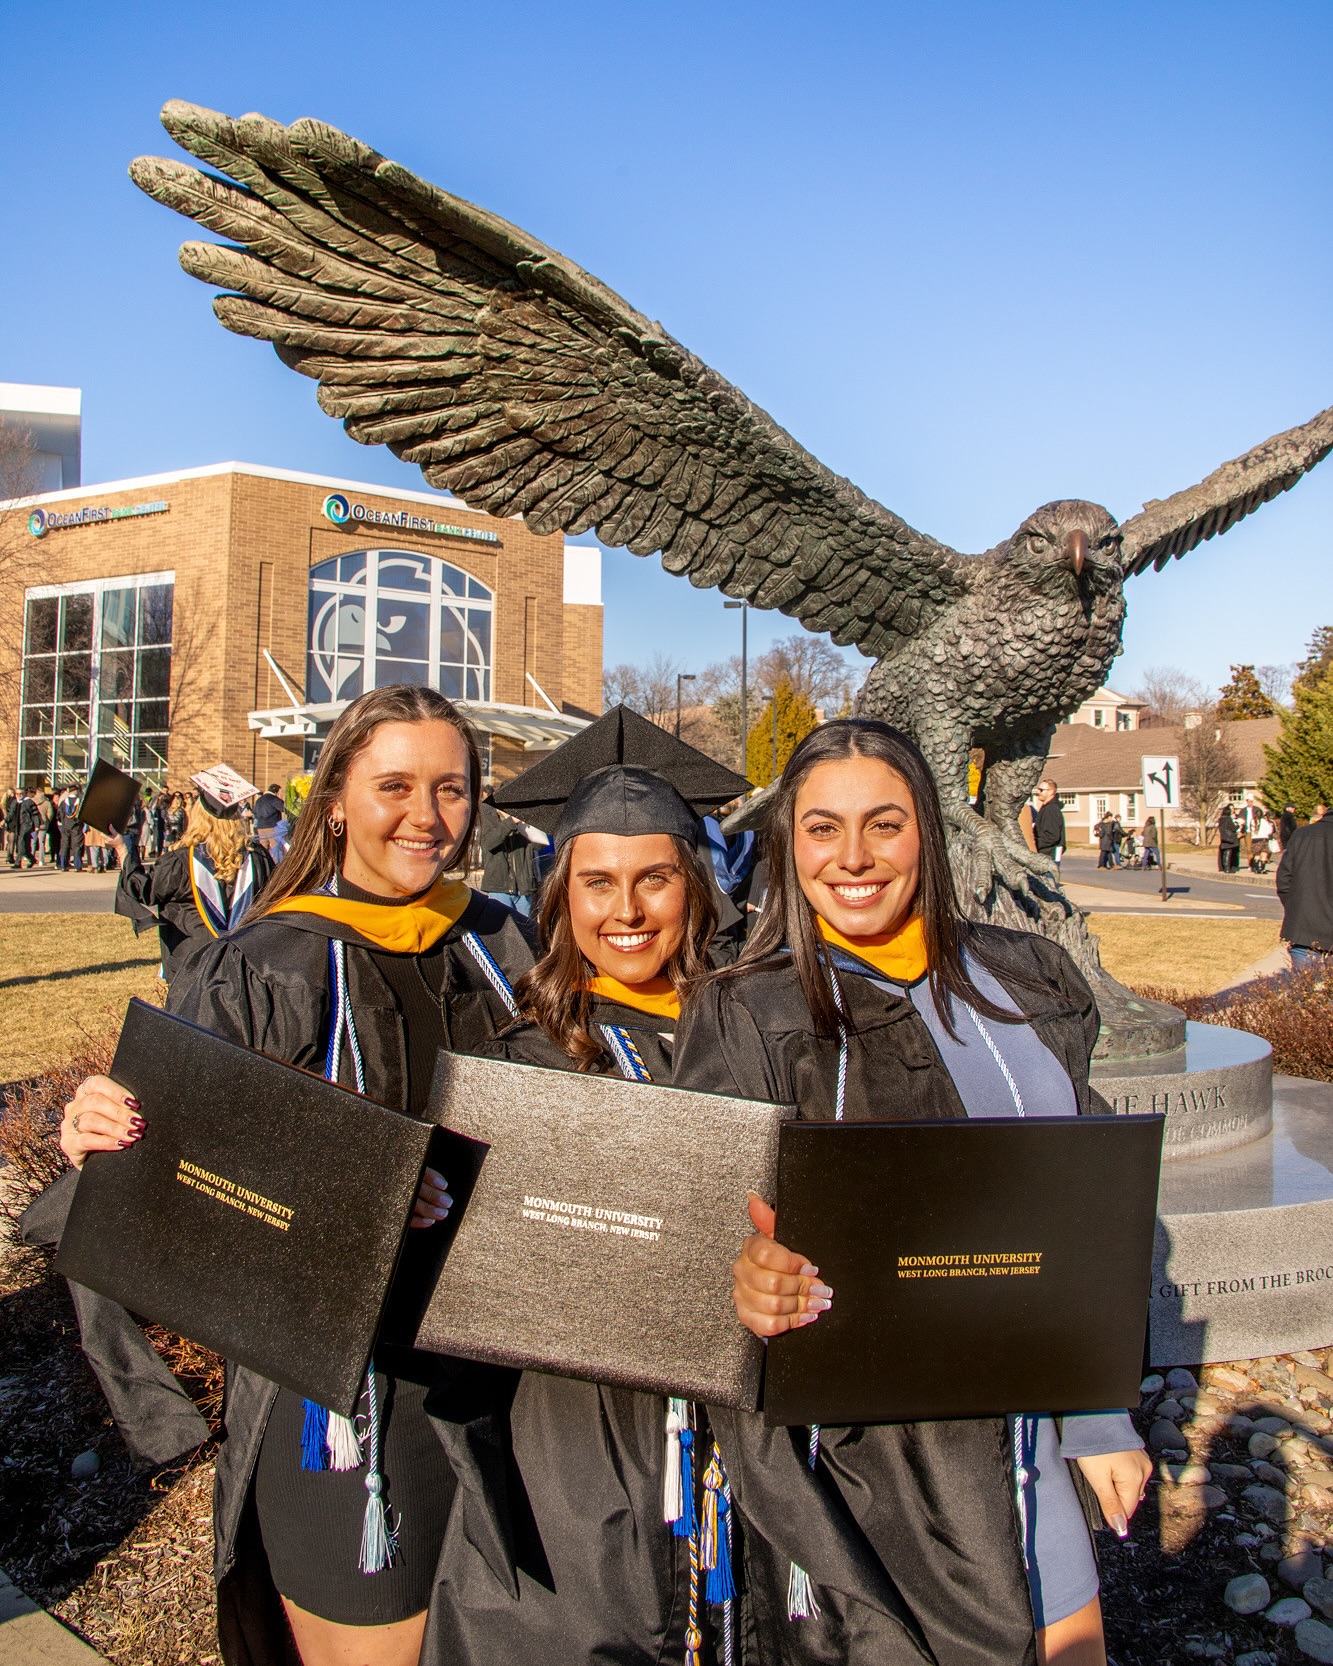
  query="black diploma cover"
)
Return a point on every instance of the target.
[
  {"x": 108, "y": 799},
  {"x": 978, "y": 1267},
  {"x": 598, "y": 1223},
  {"x": 261, "y": 1214}
]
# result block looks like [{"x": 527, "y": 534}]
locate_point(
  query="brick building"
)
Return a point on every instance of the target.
[{"x": 232, "y": 611}]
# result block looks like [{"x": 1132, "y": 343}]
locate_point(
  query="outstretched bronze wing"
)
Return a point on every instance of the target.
[
  {"x": 517, "y": 380},
  {"x": 1175, "y": 525}
]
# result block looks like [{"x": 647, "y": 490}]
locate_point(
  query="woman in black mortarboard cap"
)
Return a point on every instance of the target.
[
  {"x": 602, "y": 1541},
  {"x": 361, "y": 960},
  {"x": 203, "y": 885}
]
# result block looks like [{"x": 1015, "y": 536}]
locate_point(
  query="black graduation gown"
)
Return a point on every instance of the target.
[
  {"x": 267, "y": 985},
  {"x": 163, "y": 896},
  {"x": 923, "y": 1510},
  {"x": 597, "y": 1575}
]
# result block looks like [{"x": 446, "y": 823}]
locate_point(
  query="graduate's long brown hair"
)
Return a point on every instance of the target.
[
  {"x": 316, "y": 852},
  {"x": 553, "y": 995},
  {"x": 788, "y": 921}
]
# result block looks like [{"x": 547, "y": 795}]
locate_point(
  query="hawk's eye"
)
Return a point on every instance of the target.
[{"x": 1038, "y": 543}]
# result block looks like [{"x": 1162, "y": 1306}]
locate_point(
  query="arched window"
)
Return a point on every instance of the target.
[{"x": 431, "y": 625}]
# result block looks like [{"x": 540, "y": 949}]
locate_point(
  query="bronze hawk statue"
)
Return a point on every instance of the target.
[{"x": 520, "y": 382}]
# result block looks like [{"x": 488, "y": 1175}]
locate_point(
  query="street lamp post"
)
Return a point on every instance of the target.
[
  {"x": 681, "y": 677},
  {"x": 745, "y": 727}
]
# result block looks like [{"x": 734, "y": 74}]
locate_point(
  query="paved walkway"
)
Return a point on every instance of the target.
[
  {"x": 1191, "y": 890},
  {"x": 48, "y": 891},
  {"x": 29, "y": 1636}
]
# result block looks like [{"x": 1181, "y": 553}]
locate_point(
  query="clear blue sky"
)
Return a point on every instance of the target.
[{"x": 974, "y": 256}]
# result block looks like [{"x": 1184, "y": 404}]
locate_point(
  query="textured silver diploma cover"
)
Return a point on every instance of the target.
[{"x": 599, "y": 1231}]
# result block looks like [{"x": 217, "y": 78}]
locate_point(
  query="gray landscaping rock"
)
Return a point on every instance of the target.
[
  {"x": 1247, "y": 1593},
  {"x": 1273, "y": 1425},
  {"x": 1267, "y": 1501},
  {"x": 1255, "y": 1657},
  {"x": 1298, "y": 1569},
  {"x": 1232, "y": 1472},
  {"x": 1288, "y": 1612},
  {"x": 1318, "y": 1592},
  {"x": 85, "y": 1466},
  {"x": 1170, "y": 1408},
  {"x": 1239, "y": 1424},
  {"x": 1188, "y": 1475},
  {"x": 1271, "y": 1553},
  {"x": 1152, "y": 1384},
  {"x": 1269, "y": 1472},
  {"x": 1181, "y": 1378},
  {"x": 1261, "y": 1445},
  {"x": 1315, "y": 1640},
  {"x": 1164, "y": 1436}
]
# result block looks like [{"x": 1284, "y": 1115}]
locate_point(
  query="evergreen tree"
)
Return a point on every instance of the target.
[
  {"x": 796, "y": 718},
  {"x": 1243, "y": 697},
  {"x": 1318, "y": 658},
  {"x": 1300, "y": 765}
]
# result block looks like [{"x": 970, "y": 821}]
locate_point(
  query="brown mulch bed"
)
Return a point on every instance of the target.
[{"x": 1292, "y": 1011}]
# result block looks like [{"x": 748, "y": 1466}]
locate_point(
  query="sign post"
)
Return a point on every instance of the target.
[{"x": 1161, "y": 791}]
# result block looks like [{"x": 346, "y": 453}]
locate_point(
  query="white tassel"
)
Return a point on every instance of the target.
[
  {"x": 673, "y": 1492},
  {"x": 801, "y": 1604},
  {"x": 344, "y": 1447},
  {"x": 376, "y": 1547}
]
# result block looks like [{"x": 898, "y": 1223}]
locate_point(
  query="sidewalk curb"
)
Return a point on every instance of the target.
[{"x": 29, "y": 1636}]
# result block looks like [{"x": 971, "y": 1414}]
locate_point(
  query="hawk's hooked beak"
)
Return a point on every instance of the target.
[{"x": 1076, "y": 549}]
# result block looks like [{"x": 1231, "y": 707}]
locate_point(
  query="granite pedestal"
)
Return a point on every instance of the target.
[{"x": 1243, "y": 1265}]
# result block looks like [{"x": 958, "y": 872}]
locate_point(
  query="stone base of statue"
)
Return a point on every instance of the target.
[{"x": 1243, "y": 1265}]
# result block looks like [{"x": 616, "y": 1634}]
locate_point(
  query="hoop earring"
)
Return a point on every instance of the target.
[{"x": 336, "y": 827}]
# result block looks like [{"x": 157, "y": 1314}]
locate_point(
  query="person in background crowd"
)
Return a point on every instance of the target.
[
  {"x": 1287, "y": 825},
  {"x": 175, "y": 820},
  {"x": 267, "y": 811},
  {"x": 46, "y": 845},
  {"x": 29, "y": 829},
  {"x": 1263, "y": 842},
  {"x": 100, "y": 849},
  {"x": 1117, "y": 839},
  {"x": 1228, "y": 842},
  {"x": 1151, "y": 850},
  {"x": 1105, "y": 841},
  {"x": 1305, "y": 890},
  {"x": 12, "y": 851},
  {"x": 509, "y": 867},
  {"x": 198, "y": 890},
  {"x": 1048, "y": 823},
  {"x": 1318, "y": 813},
  {"x": 158, "y": 818},
  {"x": 71, "y": 831},
  {"x": 1128, "y": 853}
]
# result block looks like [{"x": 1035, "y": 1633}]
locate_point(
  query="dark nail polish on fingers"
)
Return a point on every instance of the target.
[
  {"x": 138, "y": 1122},
  {"x": 133, "y": 1104}
]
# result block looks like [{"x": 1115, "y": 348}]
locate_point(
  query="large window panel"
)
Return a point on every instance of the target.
[
  {"x": 432, "y": 626},
  {"x": 96, "y": 677}
]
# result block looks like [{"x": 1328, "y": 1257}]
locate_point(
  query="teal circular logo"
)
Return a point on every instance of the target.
[
  {"x": 337, "y": 509},
  {"x": 37, "y": 522}
]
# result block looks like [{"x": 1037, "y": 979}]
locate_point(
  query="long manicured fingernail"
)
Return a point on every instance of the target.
[
  {"x": 809, "y": 1272},
  {"x": 821, "y": 1290},
  {"x": 806, "y": 1318},
  {"x": 817, "y": 1304},
  {"x": 133, "y": 1104},
  {"x": 1120, "y": 1527},
  {"x": 138, "y": 1122}
]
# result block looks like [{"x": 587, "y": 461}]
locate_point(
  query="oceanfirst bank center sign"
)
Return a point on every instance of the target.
[
  {"x": 343, "y": 512},
  {"x": 42, "y": 521}
]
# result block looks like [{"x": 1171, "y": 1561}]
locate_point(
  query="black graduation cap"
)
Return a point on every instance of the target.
[
  {"x": 108, "y": 799},
  {"x": 622, "y": 774}
]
